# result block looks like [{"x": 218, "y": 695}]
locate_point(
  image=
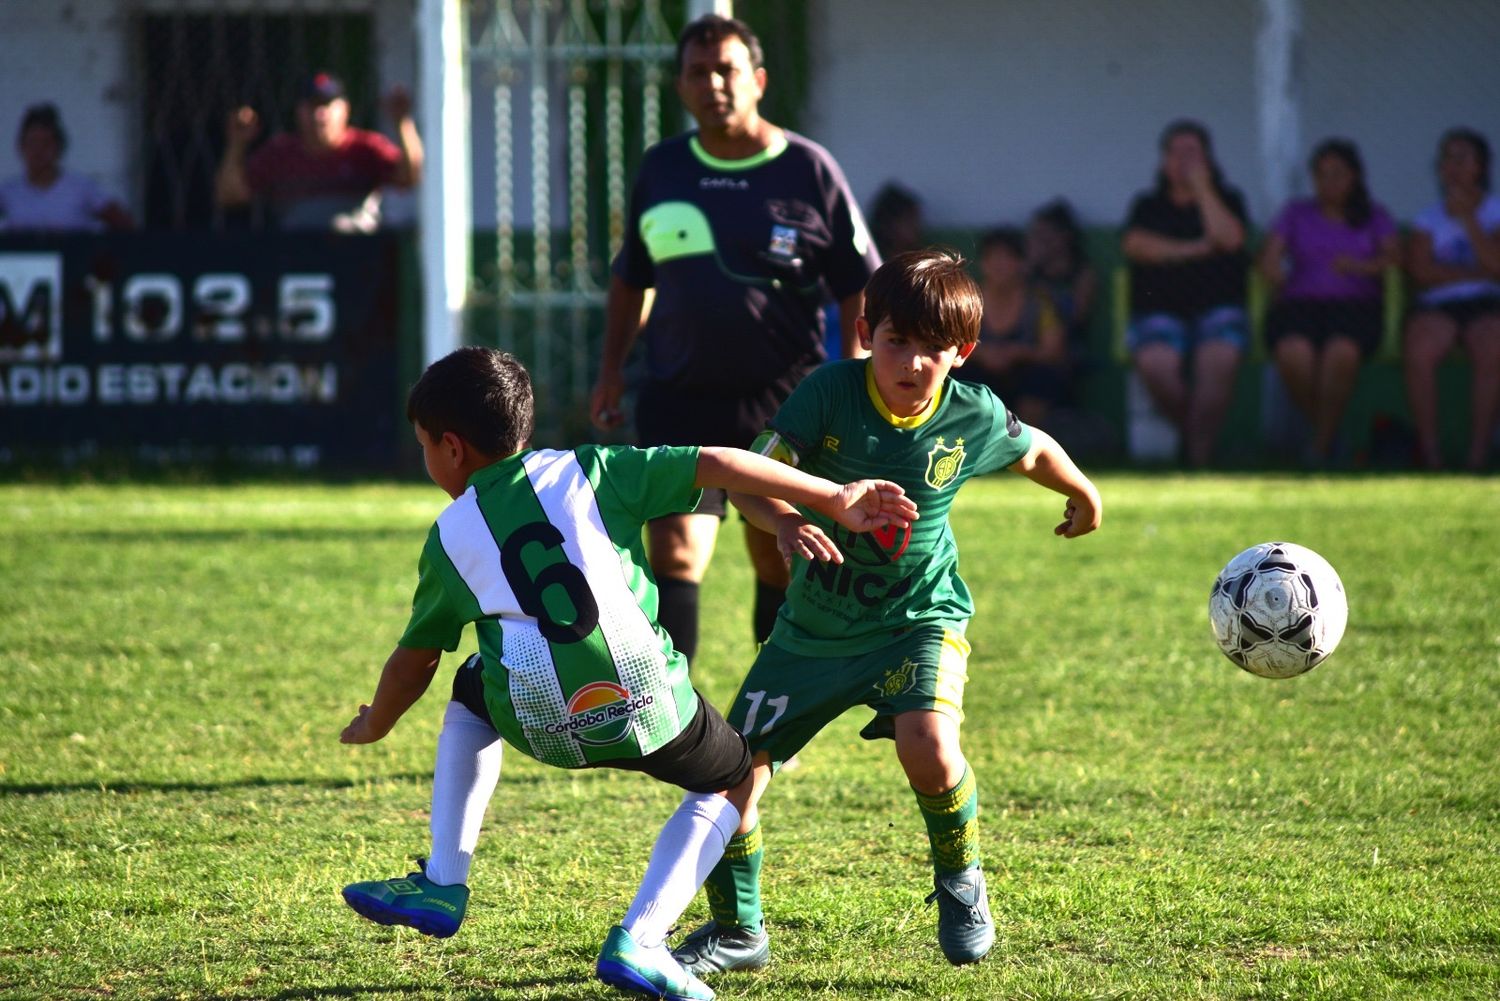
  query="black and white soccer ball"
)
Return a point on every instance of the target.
[{"x": 1278, "y": 609}]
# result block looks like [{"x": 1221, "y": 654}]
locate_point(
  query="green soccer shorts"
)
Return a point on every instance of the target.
[{"x": 787, "y": 698}]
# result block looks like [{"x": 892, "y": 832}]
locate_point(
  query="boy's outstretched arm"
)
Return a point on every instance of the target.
[
  {"x": 406, "y": 675},
  {"x": 860, "y": 506},
  {"x": 1050, "y": 466},
  {"x": 795, "y": 535}
]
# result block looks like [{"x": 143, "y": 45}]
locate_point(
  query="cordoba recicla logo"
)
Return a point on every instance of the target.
[{"x": 600, "y": 713}]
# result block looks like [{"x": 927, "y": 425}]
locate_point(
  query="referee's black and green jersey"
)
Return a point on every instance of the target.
[
  {"x": 543, "y": 554},
  {"x": 742, "y": 255},
  {"x": 836, "y": 425}
]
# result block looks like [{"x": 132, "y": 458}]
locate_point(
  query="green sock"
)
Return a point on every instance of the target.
[
  {"x": 953, "y": 826},
  {"x": 733, "y": 888}
]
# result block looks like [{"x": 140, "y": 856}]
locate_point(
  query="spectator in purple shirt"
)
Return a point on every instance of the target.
[{"x": 1326, "y": 255}]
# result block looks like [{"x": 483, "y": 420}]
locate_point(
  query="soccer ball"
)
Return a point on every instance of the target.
[{"x": 1278, "y": 609}]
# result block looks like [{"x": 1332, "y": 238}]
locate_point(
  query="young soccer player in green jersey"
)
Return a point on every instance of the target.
[
  {"x": 885, "y": 628},
  {"x": 541, "y": 550}
]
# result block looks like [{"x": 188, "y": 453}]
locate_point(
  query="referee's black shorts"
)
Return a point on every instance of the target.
[
  {"x": 709, "y": 755},
  {"x": 666, "y": 415}
]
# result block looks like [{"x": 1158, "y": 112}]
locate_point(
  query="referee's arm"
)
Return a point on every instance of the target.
[
  {"x": 624, "y": 312},
  {"x": 851, "y": 307}
]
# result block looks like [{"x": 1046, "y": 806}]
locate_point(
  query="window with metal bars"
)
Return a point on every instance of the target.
[{"x": 196, "y": 67}]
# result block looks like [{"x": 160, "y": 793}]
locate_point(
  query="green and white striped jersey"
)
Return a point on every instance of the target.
[{"x": 543, "y": 553}]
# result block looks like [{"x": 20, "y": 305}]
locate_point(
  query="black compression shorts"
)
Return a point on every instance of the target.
[{"x": 709, "y": 755}]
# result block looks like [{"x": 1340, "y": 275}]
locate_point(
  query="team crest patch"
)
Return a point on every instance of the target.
[
  {"x": 944, "y": 462},
  {"x": 899, "y": 681}
]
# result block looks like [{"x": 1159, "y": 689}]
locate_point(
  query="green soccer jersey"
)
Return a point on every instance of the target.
[
  {"x": 543, "y": 554},
  {"x": 835, "y": 425}
]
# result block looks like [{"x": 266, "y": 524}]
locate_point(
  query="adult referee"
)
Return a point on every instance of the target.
[{"x": 743, "y": 229}]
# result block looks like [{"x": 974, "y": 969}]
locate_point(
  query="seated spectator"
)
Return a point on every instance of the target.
[
  {"x": 329, "y": 174},
  {"x": 1453, "y": 257},
  {"x": 1059, "y": 263},
  {"x": 1022, "y": 352},
  {"x": 896, "y": 221},
  {"x": 1185, "y": 241},
  {"x": 1326, "y": 255},
  {"x": 47, "y": 198}
]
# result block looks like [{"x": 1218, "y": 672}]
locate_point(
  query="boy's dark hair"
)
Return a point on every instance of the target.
[
  {"x": 44, "y": 116},
  {"x": 1357, "y": 208},
  {"x": 481, "y": 395},
  {"x": 1478, "y": 143},
  {"x": 1009, "y": 237},
  {"x": 711, "y": 29},
  {"x": 926, "y": 294}
]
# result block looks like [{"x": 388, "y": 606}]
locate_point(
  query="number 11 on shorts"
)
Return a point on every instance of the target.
[{"x": 756, "y": 698}]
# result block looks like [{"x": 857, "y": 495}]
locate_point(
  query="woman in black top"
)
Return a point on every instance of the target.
[{"x": 1185, "y": 241}]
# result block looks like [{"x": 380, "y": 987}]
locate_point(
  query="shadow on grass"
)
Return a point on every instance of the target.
[
  {"x": 127, "y": 786},
  {"x": 310, "y": 533},
  {"x": 796, "y": 985},
  {"x": 491, "y": 990},
  {"x": 584, "y": 982},
  {"x": 309, "y": 993}
]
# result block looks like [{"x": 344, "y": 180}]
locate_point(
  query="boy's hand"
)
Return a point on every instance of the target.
[
  {"x": 796, "y": 536},
  {"x": 865, "y": 505},
  {"x": 359, "y": 730},
  {"x": 1081, "y": 517}
]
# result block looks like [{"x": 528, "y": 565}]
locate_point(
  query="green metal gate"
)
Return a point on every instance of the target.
[{"x": 577, "y": 89}]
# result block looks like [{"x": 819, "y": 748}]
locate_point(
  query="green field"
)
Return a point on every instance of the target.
[{"x": 177, "y": 815}]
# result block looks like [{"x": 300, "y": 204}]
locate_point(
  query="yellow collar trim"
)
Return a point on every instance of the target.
[{"x": 915, "y": 420}]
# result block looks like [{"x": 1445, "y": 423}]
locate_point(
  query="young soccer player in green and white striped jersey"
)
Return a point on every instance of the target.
[
  {"x": 541, "y": 550},
  {"x": 885, "y": 628}
]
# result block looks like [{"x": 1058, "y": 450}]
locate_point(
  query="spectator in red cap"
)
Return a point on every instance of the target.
[{"x": 329, "y": 174}]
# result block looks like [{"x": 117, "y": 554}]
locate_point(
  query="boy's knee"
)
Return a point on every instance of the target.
[
  {"x": 747, "y": 794},
  {"x": 928, "y": 748},
  {"x": 935, "y": 775}
]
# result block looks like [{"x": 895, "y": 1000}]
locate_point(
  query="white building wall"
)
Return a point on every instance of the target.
[
  {"x": 986, "y": 109},
  {"x": 74, "y": 55},
  {"x": 1393, "y": 78}
]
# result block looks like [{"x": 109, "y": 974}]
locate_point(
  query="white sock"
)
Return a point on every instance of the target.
[
  {"x": 690, "y": 844},
  {"x": 468, "y": 766}
]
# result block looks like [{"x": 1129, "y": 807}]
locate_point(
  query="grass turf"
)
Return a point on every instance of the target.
[{"x": 178, "y": 816}]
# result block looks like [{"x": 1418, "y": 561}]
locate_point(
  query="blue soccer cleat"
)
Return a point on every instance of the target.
[
  {"x": 716, "y": 948},
  {"x": 414, "y": 901},
  {"x": 625, "y": 964},
  {"x": 965, "y": 929}
]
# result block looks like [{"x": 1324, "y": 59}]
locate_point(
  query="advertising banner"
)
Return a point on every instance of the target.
[{"x": 266, "y": 349}]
